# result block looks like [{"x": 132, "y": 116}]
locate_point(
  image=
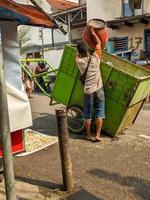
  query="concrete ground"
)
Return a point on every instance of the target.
[{"x": 115, "y": 169}]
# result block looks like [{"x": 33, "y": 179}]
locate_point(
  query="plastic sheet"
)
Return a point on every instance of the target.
[{"x": 18, "y": 103}]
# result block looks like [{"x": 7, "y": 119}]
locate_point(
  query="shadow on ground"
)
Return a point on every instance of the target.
[
  {"x": 45, "y": 123},
  {"x": 141, "y": 186},
  {"x": 81, "y": 194},
  {"x": 39, "y": 183}
]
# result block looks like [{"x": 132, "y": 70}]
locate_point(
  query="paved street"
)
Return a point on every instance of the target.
[
  {"x": 115, "y": 169},
  {"x": 47, "y": 46}
]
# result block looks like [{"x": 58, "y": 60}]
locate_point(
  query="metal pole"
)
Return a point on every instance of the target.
[
  {"x": 64, "y": 147},
  {"x": 42, "y": 38},
  {"x": 52, "y": 31},
  {"x": 6, "y": 140},
  {"x": 69, "y": 28}
]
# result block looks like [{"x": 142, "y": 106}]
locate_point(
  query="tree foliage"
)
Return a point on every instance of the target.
[{"x": 24, "y": 39}]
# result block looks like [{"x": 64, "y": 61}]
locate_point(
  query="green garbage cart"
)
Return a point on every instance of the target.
[
  {"x": 43, "y": 81},
  {"x": 126, "y": 86}
]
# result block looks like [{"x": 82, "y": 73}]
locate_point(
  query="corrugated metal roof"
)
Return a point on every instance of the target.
[
  {"x": 62, "y": 4},
  {"x": 24, "y": 14}
]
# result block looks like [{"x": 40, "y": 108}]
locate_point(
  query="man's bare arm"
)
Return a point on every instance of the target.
[{"x": 95, "y": 38}]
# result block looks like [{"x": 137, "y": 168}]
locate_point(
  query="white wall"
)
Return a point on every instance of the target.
[
  {"x": 77, "y": 33},
  {"x": 134, "y": 34},
  {"x": 59, "y": 36},
  {"x": 34, "y": 31},
  {"x": 110, "y": 9},
  {"x": 104, "y": 9},
  {"x": 146, "y": 7},
  {"x": 53, "y": 57},
  {"x": 35, "y": 38}
]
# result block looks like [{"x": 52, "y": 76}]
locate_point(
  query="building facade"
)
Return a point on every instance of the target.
[
  {"x": 38, "y": 34},
  {"x": 128, "y": 22},
  {"x": 44, "y": 38}
]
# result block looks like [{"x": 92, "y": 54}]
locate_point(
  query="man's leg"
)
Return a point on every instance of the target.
[
  {"x": 30, "y": 93},
  {"x": 99, "y": 105},
  {"x": 88, "y": 107},
  {"x": 99, "y": 123},
  {"x": 87, "y": 124},
  {"x": 30, "y": 89}
]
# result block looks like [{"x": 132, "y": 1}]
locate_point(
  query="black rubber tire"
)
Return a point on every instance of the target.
[{"x": 75, "y": 119}]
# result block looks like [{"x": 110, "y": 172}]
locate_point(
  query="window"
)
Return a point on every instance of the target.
[
  {"x": 132, "y": 7},
  {"x": 135, "y": 4},
  {"x": 147, "y": 42},
  {"x": 117, "y": 44}
]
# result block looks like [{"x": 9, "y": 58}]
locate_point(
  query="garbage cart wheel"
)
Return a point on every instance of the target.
[{"x": 75, "y": 119}]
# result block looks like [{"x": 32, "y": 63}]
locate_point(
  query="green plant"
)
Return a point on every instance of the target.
[{"x": 24, "y": 40}]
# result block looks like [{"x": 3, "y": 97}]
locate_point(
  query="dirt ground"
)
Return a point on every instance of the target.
[{"x": 115, "y": 169}]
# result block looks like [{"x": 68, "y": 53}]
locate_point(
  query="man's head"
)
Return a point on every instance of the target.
[
  {"x": 82, "y": 48},
  {"x": 29, "y": 56},
  {"x": 42, "y": 65},
  {"x": 27, "y": 62}
]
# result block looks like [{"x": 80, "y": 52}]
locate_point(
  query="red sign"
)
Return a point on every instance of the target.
[{"x": 17, "y": 140}]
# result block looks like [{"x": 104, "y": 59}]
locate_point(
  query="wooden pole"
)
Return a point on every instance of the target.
[{"x": 64, "y": 147}]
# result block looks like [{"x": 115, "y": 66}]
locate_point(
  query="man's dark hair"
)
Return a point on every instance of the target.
[
  {"x": 82, "y": 47},
  {"x": 42, "y": 65}
]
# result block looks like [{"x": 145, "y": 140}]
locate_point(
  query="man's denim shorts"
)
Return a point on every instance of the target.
[{"x": 94, "y": 102}]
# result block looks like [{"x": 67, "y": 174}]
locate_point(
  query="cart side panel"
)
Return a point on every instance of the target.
[
  {"x": 66, "y": 77},
  {"x": 77, "y": 95},
  {"x": 142, "y": 91},
  {"x": 125, "y": 66},
  {"x": 130, "y": 116},
  {"x": 119, "y": 87},
  {"x": 105, "y": 71},
  {"x": 63, "y": 88},
  {"x": 114, "y": 115}
]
